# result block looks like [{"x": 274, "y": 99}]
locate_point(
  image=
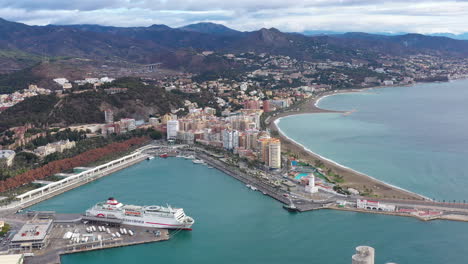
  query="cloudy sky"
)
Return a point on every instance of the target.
[{"x": 419, "y": 16}]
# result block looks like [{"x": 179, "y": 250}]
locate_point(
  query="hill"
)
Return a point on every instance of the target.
[
  {"x": 210, "y": 28},
  {"x": 140, "y": 101},
  {"x": 179, "y": 48}
]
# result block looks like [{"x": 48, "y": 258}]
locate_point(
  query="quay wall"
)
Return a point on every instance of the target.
[{"x": 275, "y": 193}]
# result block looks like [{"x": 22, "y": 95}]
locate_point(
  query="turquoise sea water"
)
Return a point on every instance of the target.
[
  {"x": 237, "y": 225},
  {"x": 412, "y": 137}
]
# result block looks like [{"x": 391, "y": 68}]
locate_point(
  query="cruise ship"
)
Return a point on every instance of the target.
[{"x": 147, "y": 216}]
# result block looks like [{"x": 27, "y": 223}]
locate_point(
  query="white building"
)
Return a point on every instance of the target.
[
  {"x": 58, "y": 146},
  {"x": 128, "y": 124},
  {"x": 12, "y": 259},
  {"x": 106, "y": 79},
  {"x": 230, "y": 139},
  {"x": 172, "y": 129},
  {"x": 61, "y": 81},
  {"x": 311, "y": 188},
  {"x": 388, "y": 82},
  {"x": 153, "y": 121},
  {"x": 374, "y": 205},
  {"x": 7, "y": 156},
  {"x": 364, "y": 255}
]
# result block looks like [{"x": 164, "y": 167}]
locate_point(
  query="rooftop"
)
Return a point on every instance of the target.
[
  {"x": 11, "y": 259},
  {"x": 32, "y": 231}
]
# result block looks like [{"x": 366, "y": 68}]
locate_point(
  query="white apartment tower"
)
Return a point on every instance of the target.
[
  {"x": 230, "y": 139},
  {"x": 172, "y": 129}
]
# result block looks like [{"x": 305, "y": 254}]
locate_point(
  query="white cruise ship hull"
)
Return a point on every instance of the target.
[
  {"x": 145, "y": 216},
  {"x": 146, "y": 221}
]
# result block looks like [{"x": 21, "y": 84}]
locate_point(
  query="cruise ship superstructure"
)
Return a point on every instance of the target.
[{"x": 147, "y": 216}]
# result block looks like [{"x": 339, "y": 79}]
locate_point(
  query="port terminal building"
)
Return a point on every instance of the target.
[{"x": 33, "y": 235}]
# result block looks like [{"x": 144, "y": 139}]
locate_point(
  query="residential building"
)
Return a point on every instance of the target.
[
  {"x": 58, "y": 146},
  {"x": 230, "y": 139},
  {"x": 172, "y": 129},
  {"x": 154, "y": 121},
  {"x": 127, "y": 124},
  {"x": 109, "y": 116},
  {"x": 274, "y": 153},
  {"x": 7, "y": 157}
]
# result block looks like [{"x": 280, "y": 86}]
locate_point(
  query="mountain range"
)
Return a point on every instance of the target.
[{"x": 179, "y": 48}]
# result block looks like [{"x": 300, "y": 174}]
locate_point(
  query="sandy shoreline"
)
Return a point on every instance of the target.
[{"x": 353, "y": 179}]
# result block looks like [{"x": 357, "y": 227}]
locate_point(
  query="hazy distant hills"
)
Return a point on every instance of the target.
[
  {"x": 179, "y": 48},
  {"x": 463, "y": 36},
  {"x": 211, "y": 28}
]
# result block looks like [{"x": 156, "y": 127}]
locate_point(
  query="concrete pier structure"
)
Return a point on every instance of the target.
[{"x": 364, "y": 255}]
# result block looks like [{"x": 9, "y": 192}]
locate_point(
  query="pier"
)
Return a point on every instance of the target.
[
  {"x": 60, "y": 234},
  {"x": 59, "y": 246},
  {"x": 52, "y": 189}
]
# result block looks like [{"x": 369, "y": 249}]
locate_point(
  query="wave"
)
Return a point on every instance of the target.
[{"x": 277, "y": 121}]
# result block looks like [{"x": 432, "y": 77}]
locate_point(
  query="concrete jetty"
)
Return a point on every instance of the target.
[{"x": 58, "y": 246}]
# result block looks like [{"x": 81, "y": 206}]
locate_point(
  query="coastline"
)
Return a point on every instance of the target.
[{"x": 353, "y": 178}]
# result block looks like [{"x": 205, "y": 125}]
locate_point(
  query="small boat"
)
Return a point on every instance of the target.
[
  {"x": 150, "y": 158},
  {"x": 291, "y": 207},
  {"x": 253, "y": 188},
  {"x": 198, "y": 161},
  {"x": 248, "y": 186},
  {"x": 264, "y": 193},
  {"x": 189, "y": 157},
  {"x": 209, "y": 167},
  {"x": 164, "y": 155}
]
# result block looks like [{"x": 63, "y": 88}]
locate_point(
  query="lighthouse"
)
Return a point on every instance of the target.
[{"x": 311, "y": 188}]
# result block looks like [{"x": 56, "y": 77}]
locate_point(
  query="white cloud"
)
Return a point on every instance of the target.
[{"x": 339, "y": 15}]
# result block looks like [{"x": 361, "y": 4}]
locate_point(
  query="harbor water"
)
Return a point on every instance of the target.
[
  {"x": 237, "y": 225},
  {"x": 413, "y": 137}
]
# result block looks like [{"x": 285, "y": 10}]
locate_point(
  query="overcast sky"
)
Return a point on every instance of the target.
[{"x": 418, "y": 16}]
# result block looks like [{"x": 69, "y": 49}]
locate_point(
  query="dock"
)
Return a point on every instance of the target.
[
  {"x": 275, "y": 193},
  {"x": 59, "y": 246}
]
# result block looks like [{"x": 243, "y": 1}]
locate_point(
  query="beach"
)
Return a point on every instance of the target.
[{"x": 352, "y": 178}]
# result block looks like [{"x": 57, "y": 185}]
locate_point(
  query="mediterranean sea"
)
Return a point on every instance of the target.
[
  {"x": 237, "y": 225},
  {"x": 413, "y": 137}
]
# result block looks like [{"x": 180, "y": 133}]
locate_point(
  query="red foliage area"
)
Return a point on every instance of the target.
[{"x": 66, "y": 164}]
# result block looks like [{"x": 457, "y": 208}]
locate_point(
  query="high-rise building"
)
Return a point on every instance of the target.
[
  {"x": 230, "y": 139},
  {"x": 109, "y": 116},
  {"x": 274, "y": 153},
  {"x": 364, "y": 255},
  {"x": 172, "y": 129}
]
